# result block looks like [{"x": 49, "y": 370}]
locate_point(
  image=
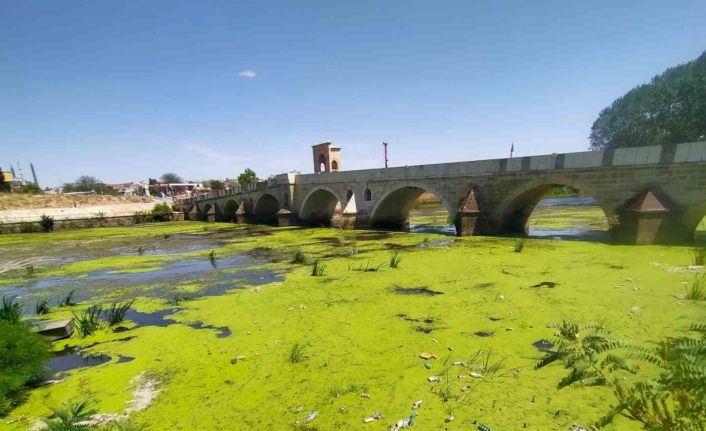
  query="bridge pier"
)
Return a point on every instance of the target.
[
  {"x": 467, "y": 220},
  {"x": 650, "y": 219},
  {"x": 241, "y": 214},
  {"x": 285, "y": 217}
]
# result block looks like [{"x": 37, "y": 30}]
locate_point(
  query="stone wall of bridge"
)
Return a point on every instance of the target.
[{"x": 648, "y": 194}]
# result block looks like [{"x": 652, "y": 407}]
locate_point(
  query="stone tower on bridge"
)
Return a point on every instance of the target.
[{"x": 326, "y": 158}]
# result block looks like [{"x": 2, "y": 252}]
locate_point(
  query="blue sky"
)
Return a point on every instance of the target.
[{"x": 127, "y": 90}]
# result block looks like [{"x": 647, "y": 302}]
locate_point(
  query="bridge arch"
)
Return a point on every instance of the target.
[
  {"x": 265, "y": 208},
  {"x": 229, "y": 210},
  {"x": 392, "y": 208},
  {"x": 514, "y": 211},
  {"x": 204, "y": 210},
  {"x": 320, "y": 206}
]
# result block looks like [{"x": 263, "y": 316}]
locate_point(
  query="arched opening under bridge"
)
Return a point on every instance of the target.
[
  {"x": 321, "y": 207},
  {"x": 414, "y": 208},
  {"x": 229, "y": 211},
  {"x": 265, "y": 210},
  {"x": 557, "y": 211}
]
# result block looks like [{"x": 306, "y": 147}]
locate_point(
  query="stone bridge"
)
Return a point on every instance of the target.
[{"x": 648, "y": 194}]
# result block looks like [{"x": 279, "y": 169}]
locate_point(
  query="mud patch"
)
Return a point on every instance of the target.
[
  {"x": 423, "y": 291},
  {"x": 543, "y": 345},
  {"x": 549, "y": 284}
]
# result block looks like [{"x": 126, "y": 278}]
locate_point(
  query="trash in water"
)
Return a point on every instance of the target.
[
  {"x": 483, "y": 427},
  {"x": 433, "y": 378},
  {"x": 311, "y": 417},
  {"x": 449, "y": 419},
  {"x": 299, "y": 409},
  {"x": 365, "y": 395},
  {"x": 476, "y": 375},
  {"x": 426, "y": 355},
  {"x": 404, "y": 423},
  {"x": 427, "y": 365},
  {"x": 417, "y": 404}
]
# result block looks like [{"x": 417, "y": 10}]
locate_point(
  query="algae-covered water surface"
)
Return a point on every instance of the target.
[{"x": 229, "y": 329}]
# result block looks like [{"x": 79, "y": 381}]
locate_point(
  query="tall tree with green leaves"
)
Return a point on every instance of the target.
[
  {"x": 247, "y": 177},
  {"x": 170, "y": 177},
  {"x": 670, "y": 109}
]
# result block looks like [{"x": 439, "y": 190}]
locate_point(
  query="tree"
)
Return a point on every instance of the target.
[
  {"x": 30, "y": 188},
  {"x": 216, "y": 185},
  {"x": 171, "y": 177},
  {"x": 670, "y": 109},
  {"x": 248, "y": 177},
  {"x": 87, "y": 183}
]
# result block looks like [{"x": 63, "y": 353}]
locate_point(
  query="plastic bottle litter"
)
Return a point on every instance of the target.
[
  {"x": 311, "y": 417},
  {"x": 417, "y": 404},
  {"x": 365, "y": 395},
  {"x": 427, "y": 365},
  {"x": 476, "y": 375},
  {"x": 433, "y": 378},
  {"x": 483, "y": 427},
  {"x": 449, "y": 419}
]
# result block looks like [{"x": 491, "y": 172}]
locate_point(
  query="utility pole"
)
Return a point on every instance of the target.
[
  {"x": 512, "y": 149},
  {"x": 386, "y": 160}
]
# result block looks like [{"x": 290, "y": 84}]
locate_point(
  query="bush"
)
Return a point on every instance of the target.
[
  {"x": 30, "y": 188},
  {"x": 28, "y": 227},
  {"x": 141, "y": 217},
  {"x": 47, "y": 223},
  {"x": 23, "y": 356},
  {"x": 161, "y": 212}
]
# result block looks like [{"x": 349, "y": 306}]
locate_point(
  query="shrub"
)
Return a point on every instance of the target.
[
  {"x": 88, "y": 321},
  {"x": 11, "y": 312},
  {"x": 28, "y": 227},
  {"x": 42, "y": 307},
  {"x": 141, "y": 217},
  {"x": 520, "y": 245},
  {"x": 67, "y": 300},
  {"x": 161, "y": 212},
  {"x": 116, "y": 313},
  {"x": 299, "y": 257},
  {"x": 395, "y": 260},
  {"x": 47, "y": 223},
  {"x": 697, "y": 290},
  {"x": 23, "y": 356},
  {"x": 698, "y": 255},
  {"x": 297, "y": 354},
  {"x": 318, "y": 269}
]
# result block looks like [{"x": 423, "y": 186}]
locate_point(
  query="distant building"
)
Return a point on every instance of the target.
[
  {"x": 176, "y": 189},
  {"x": 7, "y": 176}
]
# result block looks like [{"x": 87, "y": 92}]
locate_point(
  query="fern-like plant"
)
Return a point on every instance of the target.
[
  {"x": 588, "y": 352},
  {"x": 72, "y": 417}
]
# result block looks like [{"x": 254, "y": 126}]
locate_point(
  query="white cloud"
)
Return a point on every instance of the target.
[
  {"x": 220, "y": 158},
  {"x": 247, "y": 74}
]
